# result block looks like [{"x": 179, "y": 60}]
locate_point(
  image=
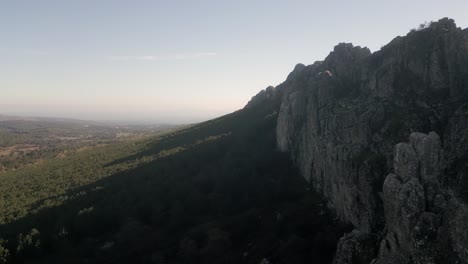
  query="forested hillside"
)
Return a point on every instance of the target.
[
  {"x": 218, "y": 192},
  {"x": 28, "y": 140}
]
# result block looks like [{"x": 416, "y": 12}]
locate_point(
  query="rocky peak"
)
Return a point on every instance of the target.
[
  {"x": 343, "y": 58},
  {"x": 298, "y": 68},
  {"x": 296, "y": 71},
  {"x": 346, "y": 120},
  {"x": 444, "y": 24},
  {"x": 268, "y": 94},
  {"x": 346, "y": 52}
]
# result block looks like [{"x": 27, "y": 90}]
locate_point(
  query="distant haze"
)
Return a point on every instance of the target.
[
  {"x": 178, "y": 61},
  {"x": 140, "y": 114}
]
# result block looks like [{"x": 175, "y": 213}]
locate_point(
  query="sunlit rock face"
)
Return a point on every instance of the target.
[{"x": 349, "y": 123}]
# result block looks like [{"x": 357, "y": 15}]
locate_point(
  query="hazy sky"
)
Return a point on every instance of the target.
[{"x": 175, "y": 60}]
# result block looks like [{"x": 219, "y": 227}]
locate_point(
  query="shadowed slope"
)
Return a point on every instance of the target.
[{"x": 217, "y": 192}]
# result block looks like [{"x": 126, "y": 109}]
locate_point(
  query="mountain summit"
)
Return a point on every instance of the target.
[{"x": 383, "y": 137}]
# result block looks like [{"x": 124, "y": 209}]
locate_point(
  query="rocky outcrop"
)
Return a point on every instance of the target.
[
  {"x": 356, "y": 248},
  {"x": 264, "y": 96},
  {"x": 342, "y": 120},
  {"x": 420, "y": 226}
]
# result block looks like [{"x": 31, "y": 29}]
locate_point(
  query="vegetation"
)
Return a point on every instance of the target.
[
  {"x": 218, "y": 192},
  {"x": 422, "y": 26},
  {"x": 29, "y": 141}
]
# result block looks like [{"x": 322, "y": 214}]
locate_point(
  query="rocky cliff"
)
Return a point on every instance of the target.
[{"x": 342, "y": 121}]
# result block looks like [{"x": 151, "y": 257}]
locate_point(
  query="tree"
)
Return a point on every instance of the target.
[
  {"x": 29, "y": 243},
  {"x": 4, "y": 252}
]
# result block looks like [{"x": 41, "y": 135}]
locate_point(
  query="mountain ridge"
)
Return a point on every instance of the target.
[{"x": 341, "y": 118}]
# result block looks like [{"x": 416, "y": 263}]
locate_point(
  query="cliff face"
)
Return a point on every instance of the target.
[{"x": 342, "y": 120}]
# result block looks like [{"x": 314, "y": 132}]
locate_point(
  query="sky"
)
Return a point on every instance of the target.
[{"x": 179, "y": 61}]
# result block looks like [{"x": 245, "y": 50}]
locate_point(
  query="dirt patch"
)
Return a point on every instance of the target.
[
  {"x": 6, "y": 151},
  {"x": 17, "y": 148}
]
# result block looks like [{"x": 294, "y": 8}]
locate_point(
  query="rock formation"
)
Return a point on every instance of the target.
[
  {"x": 262, "y": 97},
  {"x": 346, "y": 121},
  {"x": 419, "y": 211}
]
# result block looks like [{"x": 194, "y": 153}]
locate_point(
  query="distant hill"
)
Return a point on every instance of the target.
[{"x": 42, "y": 119}]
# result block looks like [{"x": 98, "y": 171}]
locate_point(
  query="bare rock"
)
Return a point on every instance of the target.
[
  {"x": 456, "y": 218},
  {"x": 343, "y": 121},
  {"x": 357, "y": 248},
  {"x": 403, "y": 202},
  {"x": 263, "y": 96},
  {"x": 428, "y": 148},
  {"x": 405, "y": 162},
  {"x": 425, "y": 239}
]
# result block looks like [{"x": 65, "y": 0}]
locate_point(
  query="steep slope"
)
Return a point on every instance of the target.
[
  {"x": 340, "y": 120},
  {"x": 217, "y": 192}
]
